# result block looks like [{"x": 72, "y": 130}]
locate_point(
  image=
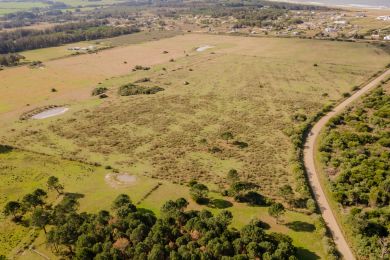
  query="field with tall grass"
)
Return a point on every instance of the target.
[{"x": 256, "y": 89}]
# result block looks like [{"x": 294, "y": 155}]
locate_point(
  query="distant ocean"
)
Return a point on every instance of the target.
[{"x": 356, "y": 3}]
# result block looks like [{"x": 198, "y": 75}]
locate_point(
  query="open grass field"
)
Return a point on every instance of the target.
[
  {"x": 251, "y": 87},
  {"x": 62, "y": 51},
  {"x": 12, "y": 7}
]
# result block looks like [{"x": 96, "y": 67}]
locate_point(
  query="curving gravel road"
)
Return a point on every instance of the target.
[{"x": 313, "y": 175}]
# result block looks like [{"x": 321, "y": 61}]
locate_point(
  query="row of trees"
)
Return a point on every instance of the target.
[
  {"x": 131, "y": 233},
  {"x": 20, "y": 40}
]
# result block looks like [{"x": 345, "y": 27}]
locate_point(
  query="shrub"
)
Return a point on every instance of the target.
[
  {"x": 240, "y": 144},
  {"x": 98, "y": 90},
  {"x": 215, "y": 150},
  {"x": 142, "y": 80},
  {"x": 132, "y": 89},
  {"x": 140, "y": 67}
]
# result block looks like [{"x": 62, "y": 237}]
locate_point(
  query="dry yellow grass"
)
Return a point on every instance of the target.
[{"x": 250, "y": 86}]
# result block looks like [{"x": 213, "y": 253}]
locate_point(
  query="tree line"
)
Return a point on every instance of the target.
[
  {"x": 128, "y": 232},
  {"x": 22, "y": 39}
]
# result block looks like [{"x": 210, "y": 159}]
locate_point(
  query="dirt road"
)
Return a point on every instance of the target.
[{"x": 313, "y": 175}]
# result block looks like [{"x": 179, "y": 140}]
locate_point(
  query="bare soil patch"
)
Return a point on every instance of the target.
[{"x": 117, "y": 180}]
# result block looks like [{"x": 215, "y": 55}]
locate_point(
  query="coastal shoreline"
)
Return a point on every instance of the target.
[{"x": 354, "y": 6}]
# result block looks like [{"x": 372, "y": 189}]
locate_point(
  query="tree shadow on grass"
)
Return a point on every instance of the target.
[
  {"x": 5, "y": 148},
  {"x": 74, "y": 195},
  {"x": 303, "y": 253},
  {"x": 301, "y": 226},
  {"x": 219, "y": 204}
]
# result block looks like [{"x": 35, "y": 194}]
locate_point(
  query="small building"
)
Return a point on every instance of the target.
[
  {"x": 384, "y": 18},
  {"x": 387, "y": 38},
  {"x": 341, "y": 22},
  {"x": 330, "y": 30}
]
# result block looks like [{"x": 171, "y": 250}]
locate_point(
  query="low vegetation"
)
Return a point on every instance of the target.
[
  {"x": 355, "y": 151},
  {"x": 11, "y": 59},
  {"x": 132, "y": 89},
  {"x": 98, "y": 91}
]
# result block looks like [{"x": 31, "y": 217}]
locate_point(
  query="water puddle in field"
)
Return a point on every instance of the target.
[
  {"x": 51, "y": 112},
  {"x": 120, "y": 179},
  {"x": 203, "y": 48}
]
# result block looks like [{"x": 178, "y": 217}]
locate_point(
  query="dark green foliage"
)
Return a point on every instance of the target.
[
  {"x": 40, "y": 218},
  {"x": 98, "y": 91},
  {"x": 299, "y": 117},
  {"x": 131, "y": 233},
  {"x": 240, "y": 144},
  {"x": 227, "y": 136},
  {"x": 12, "y": 208},
  {"x": 241, "y": 186},
  {"x": 53, "y": 184},
  {"x": 215, "y": 150},
  {"x": 199, "y": 193},
  {"x": 11, "y": 59},
  {"x": 132, "y": 89},
  {"x": 179, "y": 234},
  {"x": 22, "y": 39},
  {"x": 233, "y": 176},
  {"x": 253, "y": 198},
  {"x": 356, "y": 153},
  {"x": 276, "y": 210},
  {"x": 140, "y": 67}
]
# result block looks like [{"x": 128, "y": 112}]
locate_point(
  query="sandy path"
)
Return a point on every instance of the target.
[{"x": 313, "y": 175}]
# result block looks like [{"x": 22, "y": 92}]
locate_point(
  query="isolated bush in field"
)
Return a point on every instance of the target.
[
  {"x": 240, "y": 144},
  {"x": 132, "y": 89},
  {"x": 355, "y": 88},
  {"x": 287, "y": 193},
  {"x": 240, "y": 187},
  {"x": 140, "y": 67},
  {"x": 53, "y": 183},
  {"x": 142, "y": 80},
  {"x": 299, "y": 117},
  {"x": 227, "y": 136},
  {"x": 199, "y": 193},
  {"x": 215, "y": 150},
  {"x": 233, "y": 176},
  {"x": 276, "y": 210},
  {"x": 98, "y": 91}
]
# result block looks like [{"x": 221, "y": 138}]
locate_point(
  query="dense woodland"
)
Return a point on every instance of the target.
[
  {"x": 128, "y": 232},
  {"x": 20, "y": 40},
  {"x": 356, "y": 152}
]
